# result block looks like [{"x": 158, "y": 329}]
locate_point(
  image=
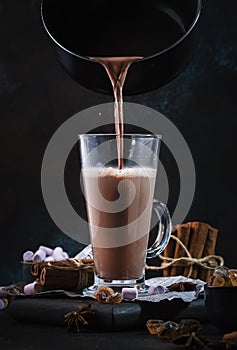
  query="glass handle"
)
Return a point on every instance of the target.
[{"x": 163, "y": 231}]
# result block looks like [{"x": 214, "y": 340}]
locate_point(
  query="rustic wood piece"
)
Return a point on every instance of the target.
[
  {"x": 68, "y": 274},
  {"x": 169, "y": 252},
  {"x": 209, "y": 249},
  {"x": 183, "y": 233},
  {"x": 200, "y": 240}
]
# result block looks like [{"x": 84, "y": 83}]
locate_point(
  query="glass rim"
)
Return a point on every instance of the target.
[{"x": 154, "y": 136}]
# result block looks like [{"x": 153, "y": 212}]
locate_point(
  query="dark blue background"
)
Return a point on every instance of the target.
[{"x": 36, "y": 97}]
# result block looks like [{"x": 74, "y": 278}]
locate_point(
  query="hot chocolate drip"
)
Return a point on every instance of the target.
[{"x": 117, "y": 68}]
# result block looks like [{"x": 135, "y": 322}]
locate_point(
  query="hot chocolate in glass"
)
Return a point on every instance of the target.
[{"x": 119, "y": 206}]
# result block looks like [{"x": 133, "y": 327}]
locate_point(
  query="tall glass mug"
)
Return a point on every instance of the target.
[{"x": 119, "y": 205}]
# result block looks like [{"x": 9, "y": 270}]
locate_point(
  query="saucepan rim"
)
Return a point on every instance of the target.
[{"x": 176, "y": 43}]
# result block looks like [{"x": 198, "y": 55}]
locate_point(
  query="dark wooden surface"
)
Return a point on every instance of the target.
[
  {"x": 37, "y": 96},
  {"x": 15, "y": 335},
  {"x": 108, "y": 317}
]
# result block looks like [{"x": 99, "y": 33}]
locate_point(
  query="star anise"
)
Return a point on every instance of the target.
[
  {"x": 168, "y": 330},
  {"x": 187, "y": 337},
  {"x": 189, "y": 325},
  {"x": 190, "y": 340},
  {"x": 77, "y": 317},
  {"x": 182, "y": 287}
]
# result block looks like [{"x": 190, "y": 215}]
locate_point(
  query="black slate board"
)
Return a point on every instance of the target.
[{"x": 125, "y": 316}]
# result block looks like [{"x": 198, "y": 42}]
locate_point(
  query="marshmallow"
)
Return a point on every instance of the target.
[
  {"x": 129, "y": 293},
  {"x": 65, "y": 255},
  {"x": 32, "y": 288},
  {"x": 39, "y": 255},
  {"x": 47, "y": 250},
  {"x": 156, "y": 289},
  {"x": 28, "y": 256},
  {"x": 3, "y": 304},
  {"x": 58, "y": 254},
  {"x": 85, "y": 253},
  {"x": 49, "y": 259}
]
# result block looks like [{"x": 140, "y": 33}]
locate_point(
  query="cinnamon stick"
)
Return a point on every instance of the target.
[
  {"x": 209, "y": 249},
  {"x": 78, "y": 279},
  {"x": 68, "y": 274},
  {"x": 169, "y": 252},
  {"x": 198, "y": 236},
  {"x": 183, "y": 234}
]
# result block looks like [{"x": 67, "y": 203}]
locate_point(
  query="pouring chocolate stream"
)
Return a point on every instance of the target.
[{"x": 117, "y": 68}]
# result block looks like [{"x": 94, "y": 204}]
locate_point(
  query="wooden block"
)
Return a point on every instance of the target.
[
  {"x": 127, "y": 316},
  {"x": 183, "y": 233},
  {"x": 51, "y": 311}
]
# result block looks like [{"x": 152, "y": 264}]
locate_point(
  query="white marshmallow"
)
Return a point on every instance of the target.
[
  {"x": 65, "y": 255},
  {"x": 2, "y": 304},
  {"x": 32, "y": 288},
  {"x": 58, "y": 254},
  {"x": 28, "y": 256},
  {"x": 49, "y": 259},
  {"x": 47, "y": 250},
  {"x": 39, "y": 255}
]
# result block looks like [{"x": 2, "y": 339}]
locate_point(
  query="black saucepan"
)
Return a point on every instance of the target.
[{"x": 163, "y": 32}]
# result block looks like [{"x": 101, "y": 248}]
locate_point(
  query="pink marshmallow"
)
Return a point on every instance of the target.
[
  {"x": 129, "y": 293},
  {"x": 156, "y": 289}
]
